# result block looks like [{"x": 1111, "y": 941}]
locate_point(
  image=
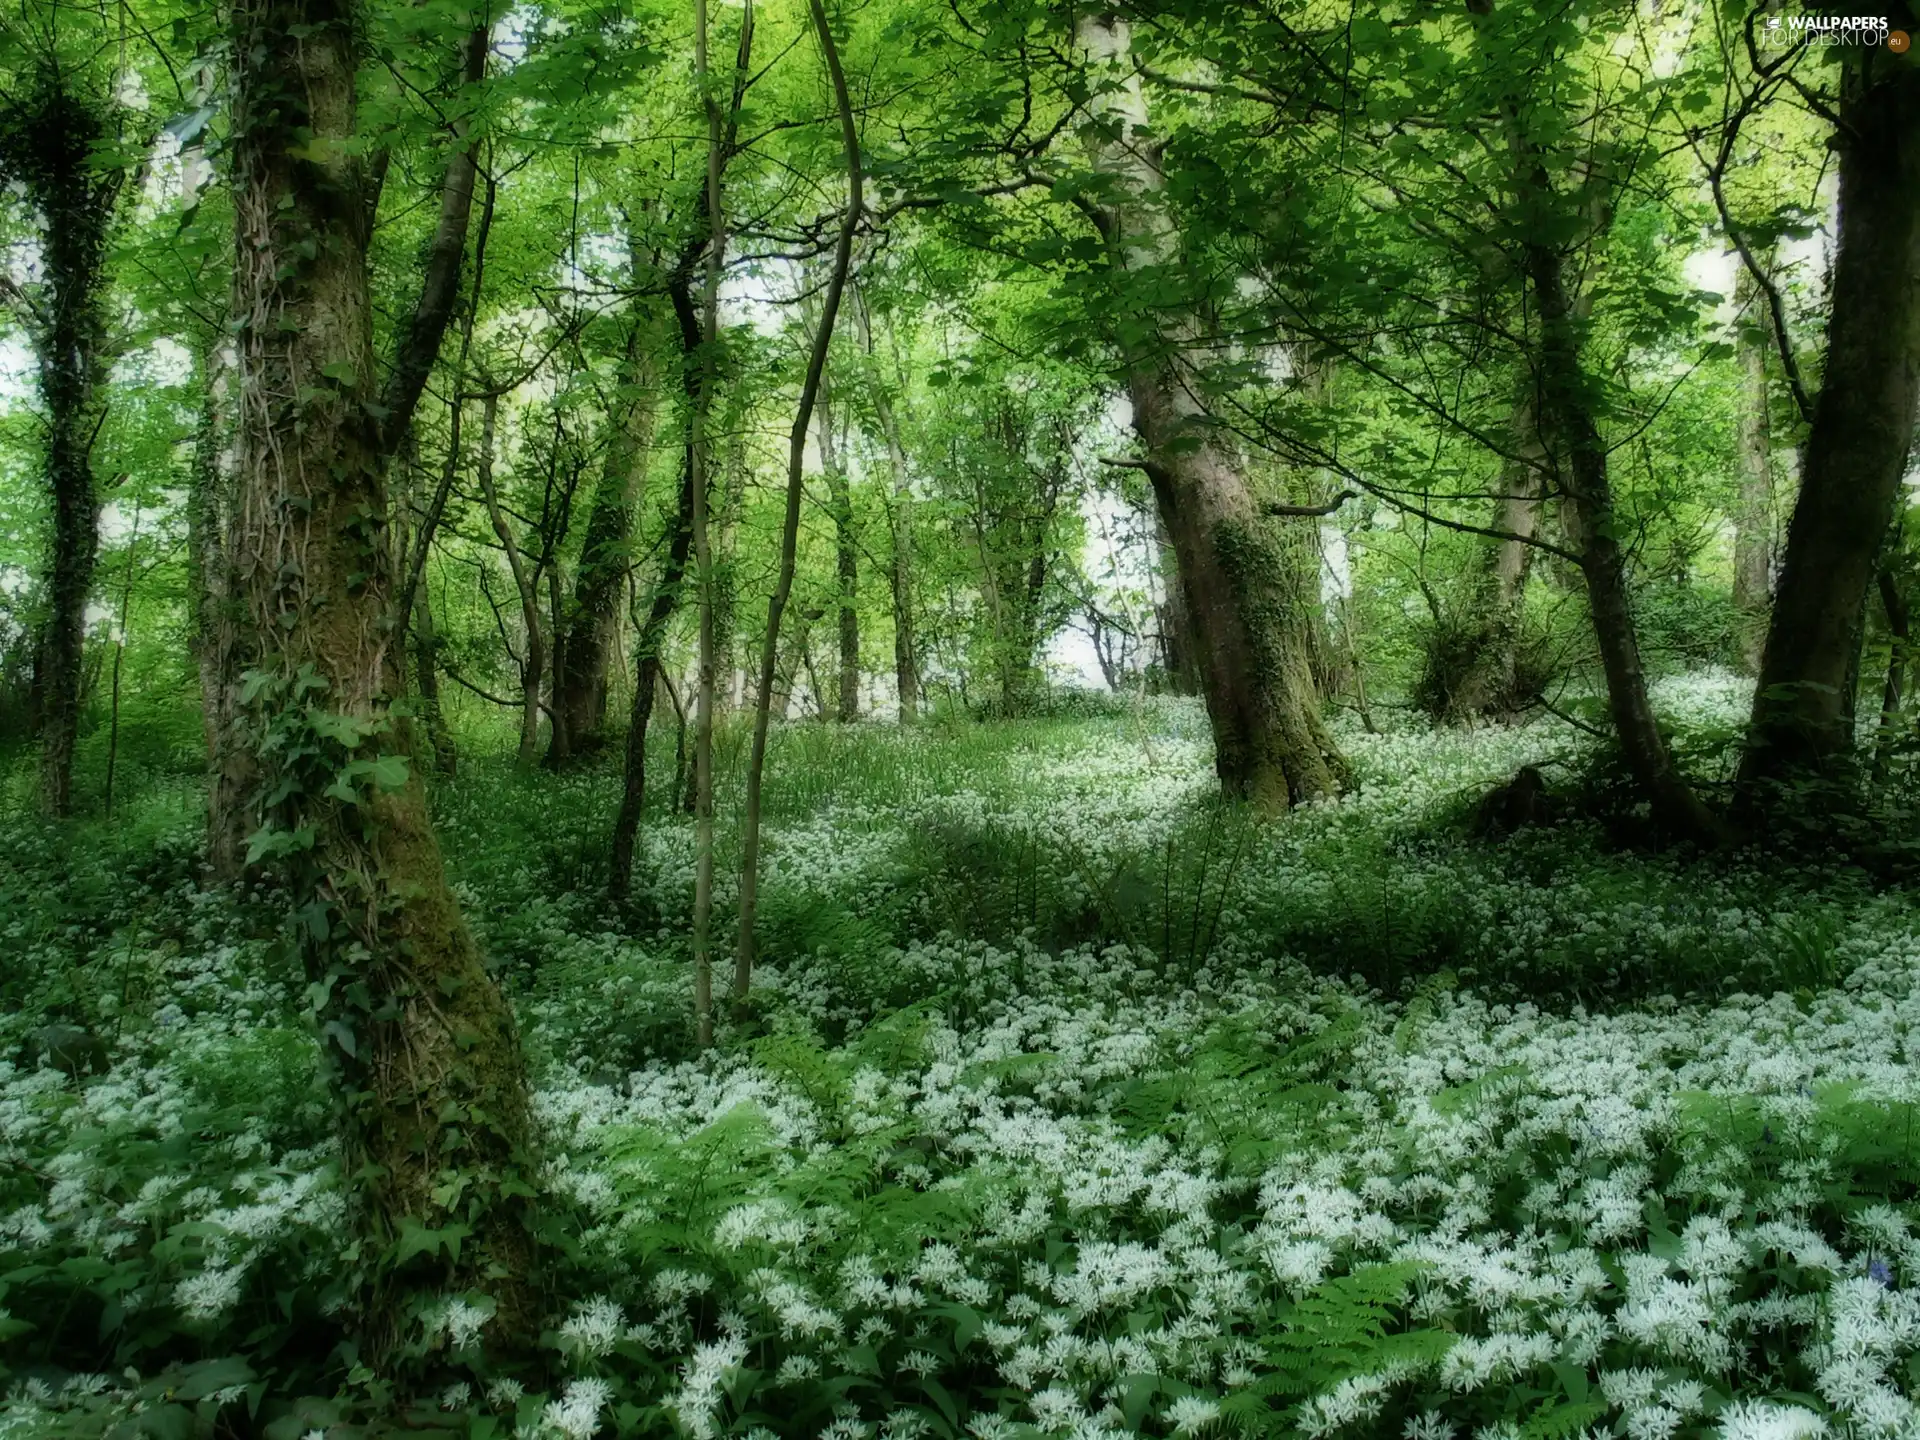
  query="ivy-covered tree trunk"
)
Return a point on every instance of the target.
[
  {"x": 47, "y": 143},
  {"x": 584, "y": 649},
  {"x": 418, "y": 1040},
  {"x": 1753, "y": 501},
  {"x": 1863, "y": 425},
  {"x": 1270, "y": 742}
]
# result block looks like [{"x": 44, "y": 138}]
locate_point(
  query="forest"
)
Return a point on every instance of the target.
[{"x": 959, "y": 720}]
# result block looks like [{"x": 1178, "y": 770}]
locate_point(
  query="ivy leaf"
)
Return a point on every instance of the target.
[
  {"x": 417, "y": 1239},
  {"x": 390, "y": 772}
]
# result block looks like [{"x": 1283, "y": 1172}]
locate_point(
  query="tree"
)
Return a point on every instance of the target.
[
  {"x": 419, "y": 1042},
  {"x": 846, "y": 553},
  {"x": 900, "y": 517},
  {"x": 584, "y": 645},
  {"x": 1753, "y": 508},
  {"x": 230, "y": 820},
  {"x": 1270, "y": 744},
  {"x": 1862, "y": 430},
  {"x": 51, "y": 143},
  {"x": 790, "y": 522}
]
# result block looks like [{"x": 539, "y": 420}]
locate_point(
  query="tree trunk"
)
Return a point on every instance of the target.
[
  {"x": 653, "y": 633},
  {"x": 846, "y": 562},
  {"x": 49, "y": 148},
  {"x": 418, "y": 1039},
  {"x": 584, "y": 648},
  {"x": 1270, "y": 744},
  {"x": 1479, "y": 679},
  {"x": 1177, "y": 647},
  {"x": 1893, "y": 692},
  {"x": 437, "y": 746},
  {"x": 790, "y": 522},
  {"x": 534, "y": 670},
  {"x": 218, "y": 613},
  {"x": 906, "y": 659},
  {"x": 1753, "y": 503},
  {"x": 1862, "y": 429},
  {"x": 1563, "y": 407},
  {"x": 1591, "y": 525},
  {"x": 726, "y": 581},
  {"x": 426, "y": 653}
]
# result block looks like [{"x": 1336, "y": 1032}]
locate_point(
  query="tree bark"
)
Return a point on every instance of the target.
[
  {"x": 1862, "y": 431},
  {"x": 1753, "y": 502},
  {"x": 230, "y": 819},
  {"x": 583, "y": 650},
  {"x": 418, "y": 1039},
  {"x": 1270, "y": 743}
]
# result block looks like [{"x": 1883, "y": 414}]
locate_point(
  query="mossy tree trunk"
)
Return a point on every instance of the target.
[
  {"x": 584, "y": 648},
  {"x": 231, "y": 819},
  {"x": 1472, "y": 668},
  {"x": 1249, "y": 632},
  {"x": 418, "y": 1040}
]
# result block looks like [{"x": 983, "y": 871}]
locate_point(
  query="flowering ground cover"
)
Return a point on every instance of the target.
[{"x": 1073, "y": 1103}]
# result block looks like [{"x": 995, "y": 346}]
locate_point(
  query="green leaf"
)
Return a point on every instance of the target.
[
  {"x": 417, "y": 1239},
  {"x": 203, "y": 1379},
  {"x": 390, "y": 772}
]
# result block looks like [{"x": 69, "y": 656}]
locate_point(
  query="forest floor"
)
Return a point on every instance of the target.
[{"x": 1070, "y": 1099}]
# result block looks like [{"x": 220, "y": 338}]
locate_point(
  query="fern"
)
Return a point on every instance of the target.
[
  {"x": 1556, "y": 1420},
  {"x": 1341, "y": 1328}
]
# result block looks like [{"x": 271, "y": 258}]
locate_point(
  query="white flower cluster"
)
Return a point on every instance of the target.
[{"x": 1145, "y": 1184}]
